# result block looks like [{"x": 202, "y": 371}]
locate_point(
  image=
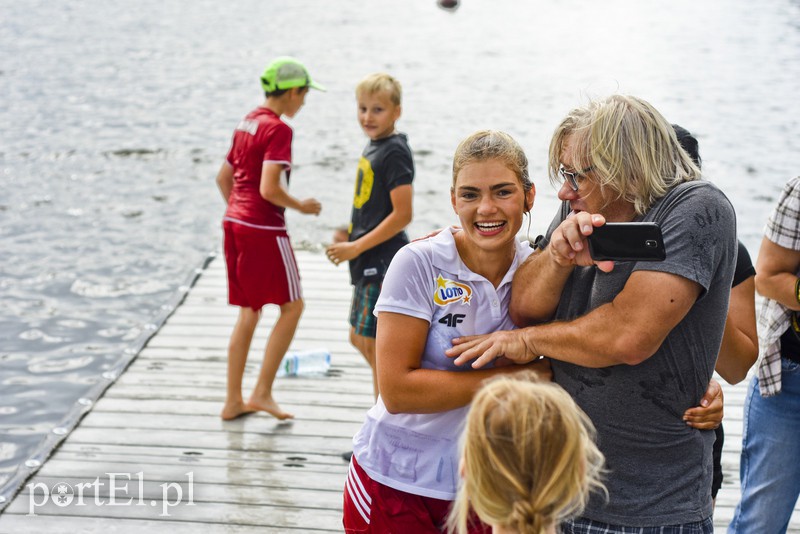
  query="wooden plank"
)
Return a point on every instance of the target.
[
  {"x": 304, "y": 478},
  {"x": 121, "y": 406},
  {"x": 258, "y": 424},
  {"x": 191, "y": 439},
  {"x": 342, "y": 365},
  {"x": 341, "y": 355},
  {"x": 193, "y": 456},
  {"x": 274, "y": 461},
  {"x": 295, "y": 396},
  {"x": 60, "y": 524},
  {"x": 302, "y": 518},
  {"x": 161, "y": 418},
  {"x": 323, "y": 330},
  {"x": 352, "y": 371},
  {"x": 730, "y": 492},
  {"x": 129, "y": 488},
  {"x": 331, "y": 383}
]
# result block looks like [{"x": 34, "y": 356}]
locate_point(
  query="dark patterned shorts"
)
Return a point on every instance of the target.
[{"x": 365, "y": 295}]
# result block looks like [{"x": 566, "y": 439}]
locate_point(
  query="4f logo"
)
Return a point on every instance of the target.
[{"x": 452, "y": 319}]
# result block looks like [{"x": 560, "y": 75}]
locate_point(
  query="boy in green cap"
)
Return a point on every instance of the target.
[{"x": 261, "y": 266}]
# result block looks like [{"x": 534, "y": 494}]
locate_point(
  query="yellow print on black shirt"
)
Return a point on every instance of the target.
[{"x": 365, "y": 178}]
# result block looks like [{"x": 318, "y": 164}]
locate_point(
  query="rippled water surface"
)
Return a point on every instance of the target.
[{"x": 116, "y": 116}]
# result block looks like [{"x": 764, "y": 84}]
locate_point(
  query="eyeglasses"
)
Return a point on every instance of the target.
[{"x": 572, "y": 177}]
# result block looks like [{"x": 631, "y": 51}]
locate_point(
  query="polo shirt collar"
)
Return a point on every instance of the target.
[{"x": 446, "y": 258}]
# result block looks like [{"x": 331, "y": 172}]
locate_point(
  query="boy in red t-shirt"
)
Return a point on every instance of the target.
[{"x": 261, "y": 267}]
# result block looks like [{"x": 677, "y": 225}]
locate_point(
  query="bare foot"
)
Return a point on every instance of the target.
[
  {"x": 232, "y": 411},
  {"x": 270, "y": 406}
]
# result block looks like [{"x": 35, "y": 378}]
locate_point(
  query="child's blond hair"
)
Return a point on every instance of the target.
[
  {"x": 529, "y": 457},
  {"x": 380, "y": 82}
]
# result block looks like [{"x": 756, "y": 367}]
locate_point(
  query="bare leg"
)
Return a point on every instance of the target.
[
  {"x": 279, "y": 340},
  {"x": 366, "y": 346},
  {"x": 238, "y": 348}
]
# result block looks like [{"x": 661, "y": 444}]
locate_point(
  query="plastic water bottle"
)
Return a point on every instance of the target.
[{"x": 305, "y": 362}]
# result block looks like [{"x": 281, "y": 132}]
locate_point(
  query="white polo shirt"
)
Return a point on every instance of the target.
[{"x": 418, "y": 453}]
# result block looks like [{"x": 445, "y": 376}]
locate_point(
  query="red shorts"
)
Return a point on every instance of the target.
[
  {"x": 370, "y": 506},
  {"x": 261, "y": 266}
]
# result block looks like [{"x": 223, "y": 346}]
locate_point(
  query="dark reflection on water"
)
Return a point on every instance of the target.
[{"x": 115, "y": 121}]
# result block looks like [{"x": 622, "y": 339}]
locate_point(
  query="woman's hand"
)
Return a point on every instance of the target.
[
  {"x": 434, "y": 233},
  {"x": 708, "y": 415}
]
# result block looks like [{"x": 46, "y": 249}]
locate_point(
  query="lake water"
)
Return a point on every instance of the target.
[{"x": 116, "y": 116}]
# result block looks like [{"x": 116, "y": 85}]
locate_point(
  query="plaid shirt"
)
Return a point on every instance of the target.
[{"x": 783, "y": 229}]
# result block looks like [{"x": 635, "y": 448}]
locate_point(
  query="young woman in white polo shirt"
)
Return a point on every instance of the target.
[{"x": 404, "y": 469}]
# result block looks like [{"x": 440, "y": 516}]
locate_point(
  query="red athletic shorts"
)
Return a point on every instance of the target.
[
  {"x": 370, "y": 506},
  {"x": 261, "y": 266}
]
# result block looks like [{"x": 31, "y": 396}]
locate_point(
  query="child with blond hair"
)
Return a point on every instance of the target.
[
  {"x": 528, "y": 459},
  {"x": 381, "y": 207}
]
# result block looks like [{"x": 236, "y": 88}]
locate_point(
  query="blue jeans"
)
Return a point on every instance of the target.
[{"x": 770, "y": 464}]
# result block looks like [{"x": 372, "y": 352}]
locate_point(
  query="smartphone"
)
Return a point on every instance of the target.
[{"x": 633, "y": 241}]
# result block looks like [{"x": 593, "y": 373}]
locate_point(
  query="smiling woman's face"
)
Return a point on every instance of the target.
[{"x": 490, "y": 203}]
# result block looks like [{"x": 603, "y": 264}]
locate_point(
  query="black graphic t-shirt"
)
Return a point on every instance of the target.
[{"x": 384, "y": 165}]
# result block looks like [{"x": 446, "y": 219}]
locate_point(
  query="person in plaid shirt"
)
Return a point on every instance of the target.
[{"x": 769, "y": 470}]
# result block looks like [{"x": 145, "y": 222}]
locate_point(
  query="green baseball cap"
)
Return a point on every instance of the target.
[{"x": 284, "y": 73}]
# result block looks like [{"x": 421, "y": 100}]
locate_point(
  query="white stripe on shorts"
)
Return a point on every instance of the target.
[
  {"x": 358, "y": 494},
  {"x": 292, "y": 275}
]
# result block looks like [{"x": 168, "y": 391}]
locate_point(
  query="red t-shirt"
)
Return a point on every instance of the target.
[{"x": 260, "y": 138}]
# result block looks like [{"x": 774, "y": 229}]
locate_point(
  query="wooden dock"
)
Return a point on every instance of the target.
[{"x": 175, "y": 467}]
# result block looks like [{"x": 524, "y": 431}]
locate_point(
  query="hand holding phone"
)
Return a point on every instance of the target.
[{"x": 632, "y": 241}]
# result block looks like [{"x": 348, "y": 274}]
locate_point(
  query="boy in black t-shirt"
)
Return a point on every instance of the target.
[{"x": 381, "y": 206}]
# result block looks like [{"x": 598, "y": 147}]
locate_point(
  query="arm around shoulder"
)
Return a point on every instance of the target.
[{"x": 627, "y": 330}]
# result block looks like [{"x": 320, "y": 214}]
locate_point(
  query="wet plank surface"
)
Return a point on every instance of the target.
[
  {"x": 155, "y": 442},
  {"x": 159, "y": 425}
]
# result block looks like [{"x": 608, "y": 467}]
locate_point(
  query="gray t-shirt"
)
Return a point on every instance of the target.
[{"x": 660, "y": 469}]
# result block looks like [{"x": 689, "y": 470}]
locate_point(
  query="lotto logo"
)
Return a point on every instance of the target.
[{"x": 449, "y": 291}]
